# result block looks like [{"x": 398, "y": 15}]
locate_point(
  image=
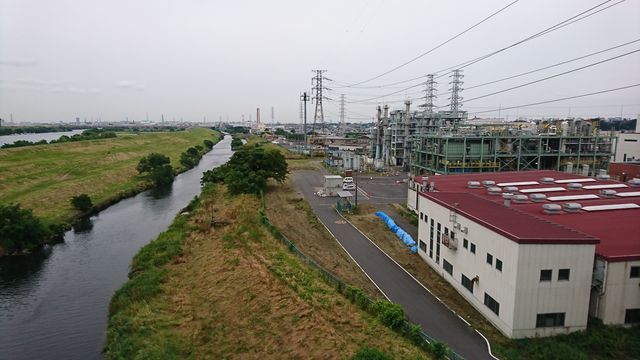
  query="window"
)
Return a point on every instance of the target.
[
  {"x": 421, "y": 216},
  {"x": 635, "y": 272},
  {"x": 489, "y": 259},
  {"x": 431, "y": 240},
  {"x": 545, "y": 275},
  {"x": 473, "y": 248},
  {"x": 438, "y": 237},
  {"x": 447, "y": 267},
  {"x": 465, "y": 243},
  {"x": 563, "y": 274},
  {"x": 423, "y": 246},
  {"x": 492, "y": 304},
  {"x": 498, "y": 264},
  {"x": 550, "y": 320},
  {"x": 467, "y": 283},
  {"x": 632, "y": 316}
]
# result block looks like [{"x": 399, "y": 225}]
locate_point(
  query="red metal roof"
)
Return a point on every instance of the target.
[{"x": 618, "y": 231}]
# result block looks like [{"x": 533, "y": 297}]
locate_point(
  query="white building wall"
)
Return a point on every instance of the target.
[
  {"x": 628, "y": 147},
  {"x": 517, "y": 287},
  {"x": 412, "y": 198},
  {"x": 556, "y": 296},
  {"x": 621, "y": 293}
]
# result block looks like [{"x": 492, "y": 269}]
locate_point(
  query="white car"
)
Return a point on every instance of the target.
[
  {"x": 347, "y": 179},
  {"x": 348, "y": 186}
]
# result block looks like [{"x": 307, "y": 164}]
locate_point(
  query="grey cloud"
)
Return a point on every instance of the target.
[{"x": 129, "y": 85}]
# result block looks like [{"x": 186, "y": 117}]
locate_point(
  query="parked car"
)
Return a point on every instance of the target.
[{"x": 348, "y": 186}]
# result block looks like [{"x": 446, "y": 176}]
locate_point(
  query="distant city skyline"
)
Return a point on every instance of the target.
[{"x": 221, "y": 60}]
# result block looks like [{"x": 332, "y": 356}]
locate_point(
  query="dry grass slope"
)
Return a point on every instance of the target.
[{"x": 236, "y": 292}]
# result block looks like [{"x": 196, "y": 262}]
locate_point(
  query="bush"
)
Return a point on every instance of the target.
[
  {"x": 208, "y": 144},
  {"x": 163, "y": 175},
  {"x": 439, "y": 350},
  {"x": 20, "y": 229},
  {"x": 236, "y": 143},
  {"x": 367, "y": 353},
  {"x": 82, "y": 202},
  {"x": 390, "y": 314}
]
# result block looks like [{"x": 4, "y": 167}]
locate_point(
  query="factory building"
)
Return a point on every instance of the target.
[
  {"x": 469, "y": 147},
  {"x": 536, "y": 252}
]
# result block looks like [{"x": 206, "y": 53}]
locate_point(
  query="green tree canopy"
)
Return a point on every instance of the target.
[
  {"x": 20, "y": 229},
  {"x": 248, "y": 170},
  {"x": 82, "y": 202},
  {"x": 152, "y": 161}
]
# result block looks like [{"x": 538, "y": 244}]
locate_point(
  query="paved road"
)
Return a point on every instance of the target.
[{"x": 420, "y": 306}]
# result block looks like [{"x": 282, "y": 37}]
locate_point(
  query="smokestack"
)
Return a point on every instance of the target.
[
  {"x": 258, "y": 116},
  {"x": 638, "y": 124},
  {"x": 386, "y": 111}
]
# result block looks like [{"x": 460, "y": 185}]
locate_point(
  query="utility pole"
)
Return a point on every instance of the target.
[
  {"x": 342, "y": 111},
  {"x": 318, "y": 97},
  {"x": 304, "y": 98}
]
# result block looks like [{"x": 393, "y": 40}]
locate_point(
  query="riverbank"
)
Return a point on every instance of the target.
[
  {"x": 218, "y": 284},
  {"x": 44, "y": 178}
]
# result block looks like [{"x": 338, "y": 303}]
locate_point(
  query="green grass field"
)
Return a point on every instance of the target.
[{"x": 45, "y": 177}]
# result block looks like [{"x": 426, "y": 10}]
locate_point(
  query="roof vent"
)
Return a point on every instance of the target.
[
  {"x": 494, "y": 190},
  {"x": 552, "y": 209},
  {"x": 572, "y": 207},
  {"x": 602, "y": 175},
  {"x": 538, "y": 197},
  {"x": 635, "y": 182},
  {"x": 547, "y": 180},
  {"x": 520, "y": 199},
  {"x": 574, "y": 186},
  {"x": 507, "y": 199},
  {"x": 473, "y": 184},
  {"x": 510, "y": 189},
  {"x": 608, "y": 193},
  {"x": 488, "y": 183}
]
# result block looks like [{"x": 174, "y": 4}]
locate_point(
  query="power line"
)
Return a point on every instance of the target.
[
  {"x": 436, "y": 47},
  {"x": 556, "y": 100},
  {"x": 392, "y": 93},
  {"x": 553, "y": 76},
  {"x": 551, "y": 66},
  {"x": 550, "y": 29}
]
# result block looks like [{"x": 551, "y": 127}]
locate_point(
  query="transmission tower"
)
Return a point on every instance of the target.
[
  {"x": 430, "y": 94},
  {"x": 272, "y": 114},
  {"x": 342, "y": 111},
  {"x": 301, "y": 112},
  {"x": 456, "y": 87},
  {"x": 317, "y": 80}
]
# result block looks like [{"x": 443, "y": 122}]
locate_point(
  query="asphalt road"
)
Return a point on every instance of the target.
[{"x": 396, "y": 284}]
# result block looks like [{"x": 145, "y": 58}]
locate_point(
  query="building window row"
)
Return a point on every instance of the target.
[
  {"x": 547, "y": 275},
  {"x": 492, "y": 304},
  {"x": 469, "y": 246},
  {"x": 550, "y": 320},
  {"x": 447, "y": 267},
  {"x": 498, "y": 262}
]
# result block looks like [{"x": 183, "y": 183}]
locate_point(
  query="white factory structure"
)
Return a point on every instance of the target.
[{"x": 536, "y": 252}]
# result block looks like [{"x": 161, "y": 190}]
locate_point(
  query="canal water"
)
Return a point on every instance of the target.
[
  {"x": 34, "y": 137},
  {"x": 54, "y": 303}
]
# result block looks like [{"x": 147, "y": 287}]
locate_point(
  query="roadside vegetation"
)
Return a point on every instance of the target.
[
  {"x": 217, "y": 284},
  {"x": 46, "y": 179},
  {"x": 598, "y": 342},
  {"x": 91, "y": 134}
]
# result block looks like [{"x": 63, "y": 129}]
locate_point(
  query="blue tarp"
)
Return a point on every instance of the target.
[{"x": 402, "y": 235}]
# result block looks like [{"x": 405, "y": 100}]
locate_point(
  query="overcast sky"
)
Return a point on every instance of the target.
[{"x": 192, "y": 59}]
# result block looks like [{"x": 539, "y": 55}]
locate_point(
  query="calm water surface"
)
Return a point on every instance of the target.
[
  {"x": 53, "y": 304},
  {"x": 10, "y": 139}
]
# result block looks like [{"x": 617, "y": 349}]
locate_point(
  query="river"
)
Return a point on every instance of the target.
[
  {"x": 54, "y": 303},
  {"x": 33, "y": 137}
]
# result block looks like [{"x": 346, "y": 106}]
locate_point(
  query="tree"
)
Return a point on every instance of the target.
[
  {"x": 82, "y": 202},
  {"x": 159, "y": 168},
  {"x": 236, "y": 143},
  {"x": 248, "y": 170},
  {"x": 152, "y": 161},
  {"x": 20, "y": 229},
  {"x": 208, "y": 144}
]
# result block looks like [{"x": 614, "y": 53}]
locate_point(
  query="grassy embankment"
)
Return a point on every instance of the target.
[
  {"x": 45, "y": 177},
  {"x": 599, "y": 342},
  {"x": 217, "y": 284}
]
